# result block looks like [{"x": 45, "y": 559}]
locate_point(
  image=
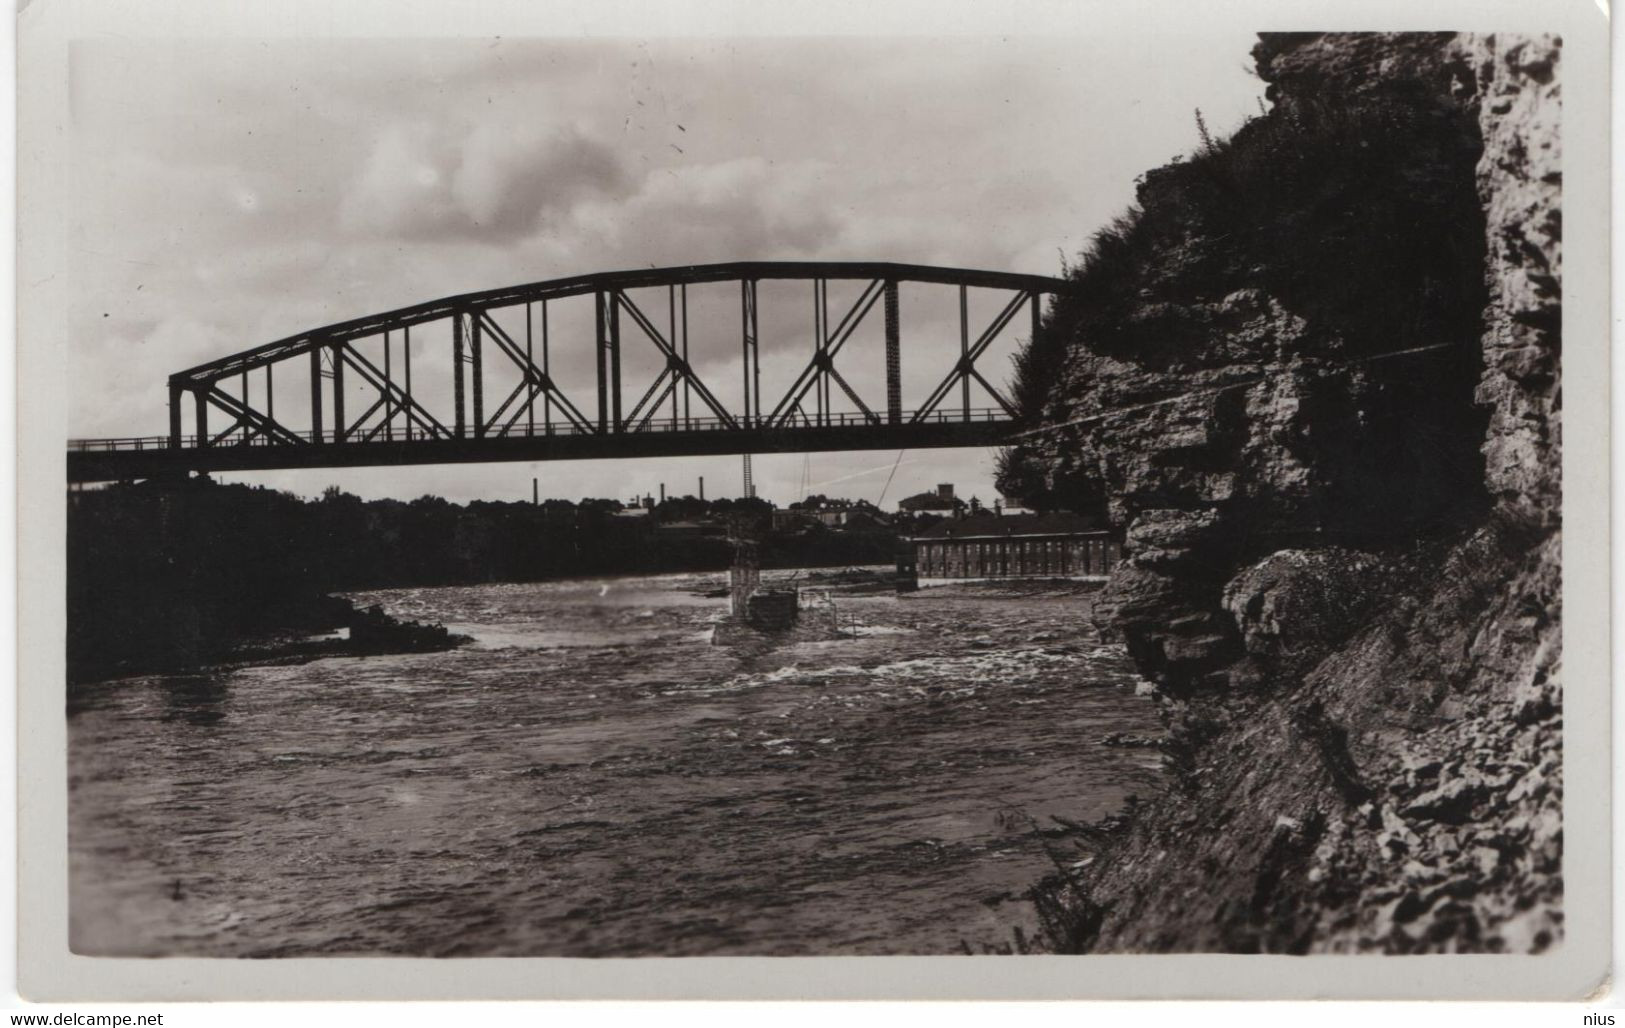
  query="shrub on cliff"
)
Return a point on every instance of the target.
[{"x": 1358, "y": 214}]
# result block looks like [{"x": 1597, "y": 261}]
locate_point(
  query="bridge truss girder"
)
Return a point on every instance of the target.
[{"x": 390, "y": 412}]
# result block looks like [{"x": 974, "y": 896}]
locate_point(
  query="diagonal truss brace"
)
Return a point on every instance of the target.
[
  {"x": 823, "y": 360},
  {"x": 679, "y": 369},
  {"x": 533, "y": 382},
  {"x": 965, "y": 368},
  {"x": 389, "y": 393},
  {"x": 251, "y": 421}
]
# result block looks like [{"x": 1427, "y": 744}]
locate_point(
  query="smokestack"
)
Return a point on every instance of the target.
[
  {"x": 702, "y": 487},
  {"x": 535, "y": 493},
  {"x": 662, "y": 492}
]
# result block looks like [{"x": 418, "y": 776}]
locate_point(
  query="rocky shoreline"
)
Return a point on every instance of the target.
[{"x": 1314, "y": 378}]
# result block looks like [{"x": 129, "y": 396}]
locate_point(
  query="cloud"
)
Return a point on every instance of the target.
[
  {"x": 227, "y": 194},
  {"x": 749, "y": 208},
  {"x": 424, "y": 183}
]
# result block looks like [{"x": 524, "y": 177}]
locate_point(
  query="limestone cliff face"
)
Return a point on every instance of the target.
[
  {"x": 1520, "y": 180},
  {"x": 1314, "y": 379}
]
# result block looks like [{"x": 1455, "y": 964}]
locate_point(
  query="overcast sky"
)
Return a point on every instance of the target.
[{"x": 231, "y": 193}]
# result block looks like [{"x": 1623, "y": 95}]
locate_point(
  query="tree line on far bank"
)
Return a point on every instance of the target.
[{"x": 168, "y": 576}]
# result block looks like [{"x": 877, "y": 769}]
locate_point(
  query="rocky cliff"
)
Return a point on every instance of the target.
[{"x": 1313, "y": 377}]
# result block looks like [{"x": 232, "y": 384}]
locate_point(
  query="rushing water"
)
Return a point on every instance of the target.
[{"x": 592, "y": 778}]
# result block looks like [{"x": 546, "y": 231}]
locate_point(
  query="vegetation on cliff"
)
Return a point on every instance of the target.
[{"x": 1281, "y": 376}]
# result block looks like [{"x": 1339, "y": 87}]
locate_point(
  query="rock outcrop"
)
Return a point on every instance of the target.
[{"x": 1314, "y": 379}]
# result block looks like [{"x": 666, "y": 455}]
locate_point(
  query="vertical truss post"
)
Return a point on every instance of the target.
[
  {"x": 1038, "y": 320},
  {"x": 687, "y": 418},
  {"x": 755, "y": 353},
  {"x": 894, "y": 358},
  {"x": 270, "y": 396},
  {"x": 340, "y": 426},
  {"x": 316, "y": 394},
  {"x": 389, "y": 400},
  {"x": 753, "y": 375},
  {"x": 601, "y": 319},
  {"x": 406, "y": 360},
  {"x": 671, "y": 334},
  {"x": 476, "y": 368},
  {"x": 823, "y": 317},
  {"x": 615, "y": 357},
  {"x": 458, "y": 328},
  {"x": 199, "y": 395},
  {"x": 819, "y": 375},
  {"x": 530, "y": 388},
  {"x": 547, "y": 397},
  {"x": 964, "y": 350},
  {"x": 175, "y": 416}
]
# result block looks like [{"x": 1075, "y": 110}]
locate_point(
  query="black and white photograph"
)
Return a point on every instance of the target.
[{"x": 669, "y": 494}]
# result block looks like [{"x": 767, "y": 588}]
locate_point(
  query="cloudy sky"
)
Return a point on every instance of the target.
[{"x": 228, "y": 193}]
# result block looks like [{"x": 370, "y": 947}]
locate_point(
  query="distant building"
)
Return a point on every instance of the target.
[
  {"x": 1013, "y": 546},
  {"x": 832, "y": 513},
  {"x": 865, "y": 521},
  {"x": 943, "y": 500}
]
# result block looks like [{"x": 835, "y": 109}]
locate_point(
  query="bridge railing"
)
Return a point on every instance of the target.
[{"x": 847, "y": 419}]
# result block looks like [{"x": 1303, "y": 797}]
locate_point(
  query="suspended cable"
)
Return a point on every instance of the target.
[{"x": 887, "y": 486}]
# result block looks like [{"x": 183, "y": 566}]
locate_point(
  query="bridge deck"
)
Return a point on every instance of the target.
[{"x": 105, "y": 460}]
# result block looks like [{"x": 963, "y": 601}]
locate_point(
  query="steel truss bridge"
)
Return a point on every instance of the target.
[{"x": 536, "y": 420}]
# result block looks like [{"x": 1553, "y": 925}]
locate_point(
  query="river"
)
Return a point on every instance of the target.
[{"x": 591, "y": 777}]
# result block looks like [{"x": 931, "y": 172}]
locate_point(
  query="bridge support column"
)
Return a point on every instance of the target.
[
  {"x": 316, "y": 395},
  {"x": 894, "y": 359}
]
